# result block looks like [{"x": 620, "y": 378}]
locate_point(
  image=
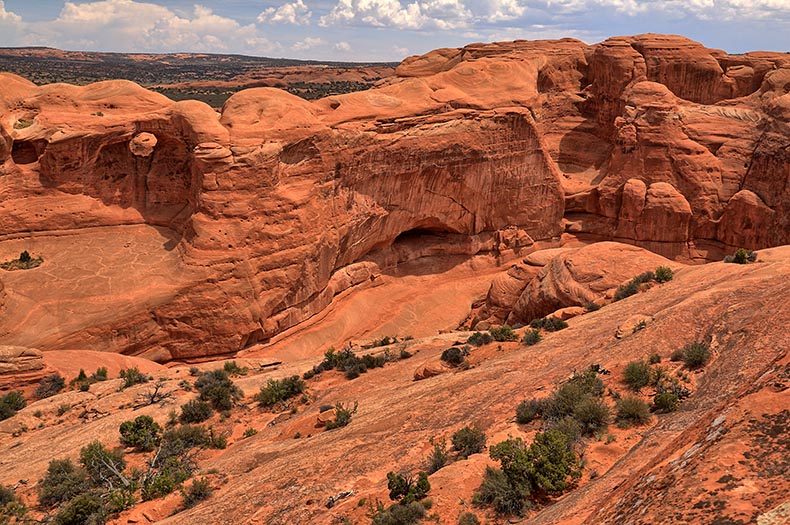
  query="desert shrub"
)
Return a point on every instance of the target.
[
  {"x": 438, "y": 456},
  {"x": 249, "y": 432},
  {"x": 696, "y": 355},
  {"x": 591, "y": 306},
  {"x": 384, "y": 341},
  {"x": 143, "y": 433},
  {"x": 404, "y": 354},
  {"x": 194, "y": 371},
  {"x": 49, "y": 386},
  {"x": 569, "y": 427},
  {"x": 636, "y": 375},
  {"x": 531, "y": 337},
  {"x": 452, "y": 356},
  {"x": 195, "y": 411},
  {"x": 677, "y": 355},
  {"x": 132, "y": 376},
  {"x": 232, "y": 369},
  {"x": 562, "y": 402},
  {"x": 529, "y": 410},
  {"x": 405, "y": 489},
  {"x": 158, "y": 487},
  {"x": 592, "y": 414},
  {"x": 343, "y": 416},
  {"x": 741, "y": 256},
  {"x": 100, "y": 374},
  {"x": 6, "y": 495},
  {"x": 104, "y": 466},
  {"x": 84, "y": 509},
  {"x": 666, "y": 402},
  {"x": 654, "y": 359},
  {"x": 626, "y": 290},
  {"x": 631, "y": 411},
  {"x": 398, "y": 514},
  {"x": 498, "y": 492},
  {"x": 550, "y": 324},
  {"x": 277, "y": 390},
  {"x": 62, "y": 482},
  {"x": 479, "y": 339},
  {"x": 467, "y": 518},
  {"x": 11, "y": 403},
  {"x": 198, "y": 491},
  {"x": 468, "y": 441},
  {"x": 348, "y": 362},
  {"x": 664, "y": 274},
  {"x": 215, "y": 387},
  {"x": 503, "y": 333}
]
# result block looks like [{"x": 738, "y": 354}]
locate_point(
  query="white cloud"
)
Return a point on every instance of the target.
[
  {"x": 308, "y": 43},
  {"x": 343, "y": 46},
  {"x": 295, "y": 13},
  {"x": 129, "y": 25},
  {"x": 427, "y": 14}
]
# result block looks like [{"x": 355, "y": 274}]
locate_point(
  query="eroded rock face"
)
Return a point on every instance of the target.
[
  {"x": 277, "y": 204},
  {"x": 577, "y": 277}
]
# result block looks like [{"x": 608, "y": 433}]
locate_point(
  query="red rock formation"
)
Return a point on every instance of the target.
[{"x": 278, "y": 204}]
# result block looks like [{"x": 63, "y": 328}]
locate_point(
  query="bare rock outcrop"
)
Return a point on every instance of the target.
[
  {"x": 653, "y": 140},
  {"x": 577, "y": 277}
]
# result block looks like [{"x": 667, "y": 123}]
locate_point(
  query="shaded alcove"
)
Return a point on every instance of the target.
[{"x": 27, "y": 151}]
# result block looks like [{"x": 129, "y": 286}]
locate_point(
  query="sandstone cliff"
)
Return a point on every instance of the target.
[{"x": 266, "y": 211}]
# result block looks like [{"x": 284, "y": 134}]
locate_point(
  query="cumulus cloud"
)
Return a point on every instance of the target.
[
  {"x": 129, "y": 25},
  {"x": 295, "y": 13},
  {"x": 426, "y": 14},
  {"x": 343, "y": 46},
  {"x": 308, "y": 43}
]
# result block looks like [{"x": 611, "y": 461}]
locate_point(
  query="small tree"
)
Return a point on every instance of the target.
[
  {"x": 49, "y": 386},
  {"x": 405, "y": 489},
  {"x": 62, "y": 482},
  {"x": 216, "y": 388},
  {"x": 468, "y": 441},
  {"x": 143, "y": 433},
  {"x": 637, "y": 375},
  {"x": 132, "y": 376},
  {"x": 438, "y": 457},
  {"x": 195, "y": 411},
  {"x": 104, "y": 467},
  {"x": 277, "y": 390}
]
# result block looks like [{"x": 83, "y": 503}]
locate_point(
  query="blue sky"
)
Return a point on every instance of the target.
[{"x": 368, "y": 30}]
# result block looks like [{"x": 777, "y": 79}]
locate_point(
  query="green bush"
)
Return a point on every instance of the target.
[
  {"x": 631, "y": 411},
  {"x": 405, "y": 489},
  {"x": 666, "y": 402},
  {"x": 569, "y": 427},
  {"x": 563, "y": 401},
  {"x": 741, "y": 256},
  {"x": 49, "y": 386},
  {"x": 232, "y": 369},
  {"x": 498, "y": 492},
  {"x": 158, "y": 487},
  {"x": 62, "y": 482},
  {"x": 399, "y": 514},
  {"x": 468, "y": 441},
  {"x": 503, "y": 333},
  {"x": 529, "y": 410},
  {"x": 215, "y": 387},
  {"x": 591, "y": 306},
  {"x": 637, "y": 375},
  {"x": 654, "y": 359},
  {"x": 348, "y": 362},
  {"x": 198, "y": 491},
  {"x": 592, "y": 414},
  {"x": 479, "y": 339},
  {"x": 195, "y": 411},
  {"x": 438, "y": 456},
  {"x": 132, "y": 376},
  {"x": 531, "y": 337},
  {"x": 11, "y": 403},
  {"x": 550, "y": 324},
  {"x": 677, "y": 355},
  {"x": 343, "y": 415},
  {"x": 467, "y": 518},
  {"x": 84, "y": 509},
  {"x": 664, "y": 274},
  {"x": 627, "y": 290},
  {"x": 143, "y": 433},
  {"x": 104, "y": 466},
  {"x": 696, "y": 355},
  {"x": 452, "y": 356},
  {"x": 277, "y": 390}
]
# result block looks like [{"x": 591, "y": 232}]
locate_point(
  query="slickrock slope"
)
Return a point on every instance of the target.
[
  {"x": 719, "y": 458},
  {"x": 273, "y": 207}
]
